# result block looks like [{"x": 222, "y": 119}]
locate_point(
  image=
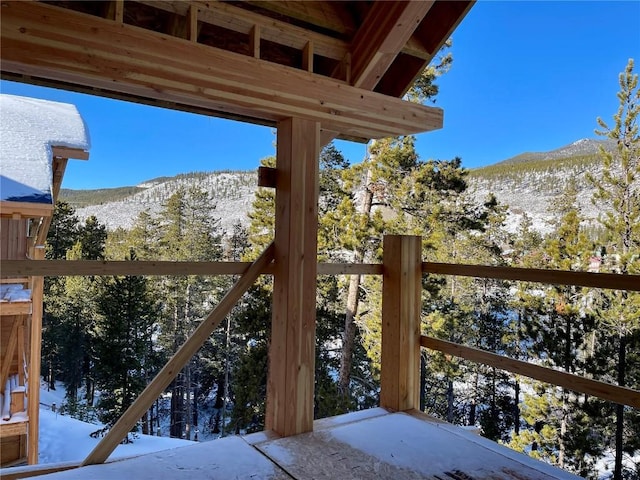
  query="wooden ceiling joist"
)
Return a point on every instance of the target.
[
  {"x": 46, "y": 41},
  {"x": 386, "y": 30}
]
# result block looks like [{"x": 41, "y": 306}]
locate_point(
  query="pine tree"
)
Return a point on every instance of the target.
[
  {"x": 618, "y": 196},
  {"x": 124, "y": 354},
  {"x": 188, "y": 232},
  {"x": 62, "y": 236},
  {"x": 560, "y": 329},
  {"x": 93, "y": 236}
]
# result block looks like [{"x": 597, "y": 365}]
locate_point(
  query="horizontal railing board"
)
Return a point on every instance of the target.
[
  {"x": 63, "y": 268},
  {"x": 555, "y": 277},
  {"x": 606, "y": 391}
]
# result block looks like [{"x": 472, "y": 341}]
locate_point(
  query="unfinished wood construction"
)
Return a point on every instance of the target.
[
  {"x": 24, "y": 223},
  {"x": 314, "y": 70},
  {"x": 401, "y": 308},
  {"x": 20, "y": 334},
  {"x": 292, "y": 351}
]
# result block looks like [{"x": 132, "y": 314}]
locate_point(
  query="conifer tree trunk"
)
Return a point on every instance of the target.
[
  {"x": 353, "y": 297},
  {"x": 187, "y": 368},
  {"x": 622, "y": 358},
  {"x": 450, "y": 398}
]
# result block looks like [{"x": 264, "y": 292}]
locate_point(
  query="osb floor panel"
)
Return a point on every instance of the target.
[{"x": 373, "y": 444}]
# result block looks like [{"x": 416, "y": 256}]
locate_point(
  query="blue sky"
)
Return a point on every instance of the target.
[{"x": 526, "y": 76}]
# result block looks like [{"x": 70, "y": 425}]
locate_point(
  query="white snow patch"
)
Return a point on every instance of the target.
[{"x": 29, "y": 128}]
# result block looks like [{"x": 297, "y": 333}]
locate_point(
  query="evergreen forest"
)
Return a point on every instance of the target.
[{"x": 104, "y": 338}]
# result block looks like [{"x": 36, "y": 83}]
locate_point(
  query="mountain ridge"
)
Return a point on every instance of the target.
[{"x": 527, "y": 183}]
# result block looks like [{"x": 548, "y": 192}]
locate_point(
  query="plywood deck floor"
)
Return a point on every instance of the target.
[{"x": 372, "y": 444}]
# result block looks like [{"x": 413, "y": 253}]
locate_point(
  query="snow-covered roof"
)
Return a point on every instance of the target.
[{"x": 29, "y": 129}]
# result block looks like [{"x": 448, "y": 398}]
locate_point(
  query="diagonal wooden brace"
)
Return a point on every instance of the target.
[{"x": 200, "y": 335}]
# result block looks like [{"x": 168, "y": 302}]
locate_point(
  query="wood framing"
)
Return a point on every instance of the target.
[
  {"x": 200, "y": 335},
  {"x": 576, "y": 383},
  {"x": 382, "y": 37},
  {"x": 33, "y": 406},
  {"x": 401, "y": 306},
  {"x": 554, "y": 277},
  {"x": 63, "y": 268},
  {"x": 290, "y": 383},
  {"x": 46, "y": 41}
]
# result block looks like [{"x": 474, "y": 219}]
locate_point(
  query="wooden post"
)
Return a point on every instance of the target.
[
  {"x": 292, "y": 350},
  {"x": 35, "y": 344},
  {"x": 401, "y": 305}
]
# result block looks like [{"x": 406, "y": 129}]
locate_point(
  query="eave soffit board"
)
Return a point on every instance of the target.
[{"x": 66, "y": 46}]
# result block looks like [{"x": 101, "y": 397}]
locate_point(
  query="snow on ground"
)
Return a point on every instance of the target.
[
  {"x": 29, "y": 128},
  {"x": 65, "y": 439}
]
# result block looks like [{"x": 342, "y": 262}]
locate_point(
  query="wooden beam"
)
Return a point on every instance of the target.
[
  {"x": 350, "y": 269},
  {"x": 200, "y": 335},
  {"x": 21, "y": 353},
  {"x": 385, "y": 31},
  {"x": 434, "y": 30},
  {"x": 193, "y": 23},
  {"x": 606, "y": 391},
  {"x": 50, "y": 42},
  {"x": 9, "y": 354},
  {"x": 11, "y": 429},
  {"x": 292, "y": 349},
  {"x": 15, "y": 308},
  {"x": 63, "y": 268},
  {"x": 118, "y": 14},
  {"x": 254, "y": 41},
  {"x": 66, "y": 152},
  {"x": 328, "y": 15},
  {"x": 35, "y": 347},
  {"x": 284, "y": 33},
  {"x": 17, "y": 210},
  {"x": 307, "y": 57},
  {"x": 401, "y": 307},
  {"x": 67, "y": 268},
  {"x": 554, "y": 277}
]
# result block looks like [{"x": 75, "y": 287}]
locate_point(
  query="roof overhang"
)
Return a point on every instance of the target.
[{"x": 51, "y": 45}]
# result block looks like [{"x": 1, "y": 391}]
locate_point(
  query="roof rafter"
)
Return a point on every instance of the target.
[
  {"x": 382, "y": 36},
  {"x": 47, "y": 41}
]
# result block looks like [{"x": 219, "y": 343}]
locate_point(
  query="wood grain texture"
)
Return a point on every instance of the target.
[
  {"x": 384, "y": 33},
  {"x": 606, "y": 391},
  {"x": 35, "y": 347},
  {"x": 558, "y": 277},
  {"x": 401, "y": 306},
  {"x": 47, "y": 41},
  {"x": 17, "y": 210},
  {"x": 290, "y": 383}
]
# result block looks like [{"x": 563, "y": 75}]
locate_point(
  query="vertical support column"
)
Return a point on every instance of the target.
[
  {"x": 292, "y": 350},
  {"x": 35, "y": 341},
  {"x": 401, "y": 305}
]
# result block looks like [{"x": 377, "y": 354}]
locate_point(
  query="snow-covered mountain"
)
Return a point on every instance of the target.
[
  {"x": 584, "y": 146},
  {"x": 526, "y": 183},
  {"x": 231, "y": 192}
]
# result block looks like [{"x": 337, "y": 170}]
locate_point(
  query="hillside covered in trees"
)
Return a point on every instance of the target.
[{"x": 104, "y": 338}]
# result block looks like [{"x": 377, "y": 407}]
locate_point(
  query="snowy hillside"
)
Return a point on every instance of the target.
[
  {"x": 65, "y": 439},
  {"x": 232, "y": 193},
  {"x": 526, "y": 183}
]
